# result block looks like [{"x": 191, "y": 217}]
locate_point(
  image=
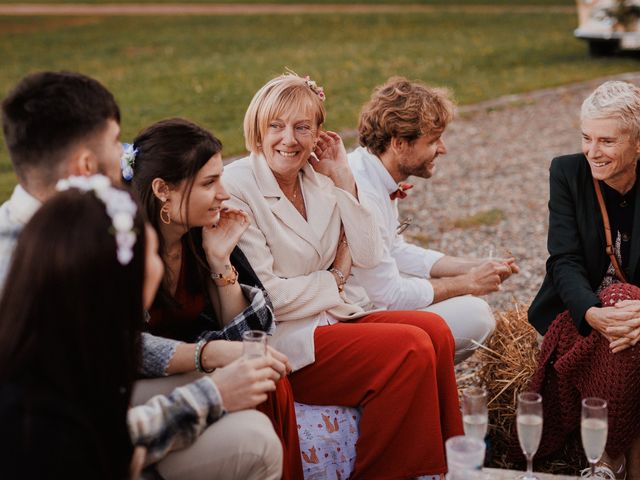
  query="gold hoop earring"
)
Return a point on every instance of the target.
[{"x": 164, "y": 214}]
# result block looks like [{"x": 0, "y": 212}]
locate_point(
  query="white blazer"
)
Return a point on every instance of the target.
[{"x": 291, "y": 255}]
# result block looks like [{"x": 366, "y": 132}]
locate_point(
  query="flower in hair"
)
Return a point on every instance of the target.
[
  {"x": 315, "y": 88},
  {"x": 128, "y": 160},
  {"x": 119, "y": 206}
]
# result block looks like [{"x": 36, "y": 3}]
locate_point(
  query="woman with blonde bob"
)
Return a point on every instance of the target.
[
  {"x": 307, "y": 229},
  {"x": 588, "y": 307}
]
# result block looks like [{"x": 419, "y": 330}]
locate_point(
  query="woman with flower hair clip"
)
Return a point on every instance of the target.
[
  {"x": 307, "y": 228},
  {"x": 68, "y": 351},
  {"x": 209, "y": 294},
  {"x": 70, "y": 321}
]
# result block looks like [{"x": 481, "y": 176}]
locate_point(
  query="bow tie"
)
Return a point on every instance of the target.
[{"x": 401, "y": 192}]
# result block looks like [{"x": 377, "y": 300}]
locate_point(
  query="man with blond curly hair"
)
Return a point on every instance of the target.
[{"x": 400, "y": 133}]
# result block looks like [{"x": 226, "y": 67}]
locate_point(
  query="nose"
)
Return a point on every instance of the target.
[
  {"x": 591, "y": 149},
  {"x": 442, "y": 147},
  {"x": 288, "y": 136},
  {"x": 221, "y": 193}
]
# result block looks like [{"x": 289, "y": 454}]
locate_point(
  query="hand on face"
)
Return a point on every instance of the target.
[
  {"x": 218, "y": 241},
  {"x": 331, "y": 154}
]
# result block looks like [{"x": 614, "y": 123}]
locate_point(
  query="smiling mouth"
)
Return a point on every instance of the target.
[
  {"x": 287, "y": 154},
  {"x": 599, "y": 164}
]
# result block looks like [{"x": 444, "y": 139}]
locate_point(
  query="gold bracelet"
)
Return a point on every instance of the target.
[{"x": 224, "y": 279}]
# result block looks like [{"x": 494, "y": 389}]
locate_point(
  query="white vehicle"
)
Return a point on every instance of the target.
[{"x": 609, "y": 25}]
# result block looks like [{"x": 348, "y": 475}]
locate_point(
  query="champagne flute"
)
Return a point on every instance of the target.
[
  {"x": 474, "y": 412},
  {"x": 593, "y": 429},
  {"x": 529, "y": 420},
  {"x": 465, "y": 457},
  {"x": 254, "y": 344}
]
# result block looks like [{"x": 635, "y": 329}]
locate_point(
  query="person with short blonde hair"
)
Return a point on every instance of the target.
[
  {"x": 615, "y": 99},
  {"x": 587, "y": 307},
  {"x": 400, "y": 132},
  {"x": 274, "y": 98},
  {"x": 308, "y": 227}
]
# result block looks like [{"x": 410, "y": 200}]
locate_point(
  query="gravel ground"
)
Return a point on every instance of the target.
[{"x": 499, "y": 156}]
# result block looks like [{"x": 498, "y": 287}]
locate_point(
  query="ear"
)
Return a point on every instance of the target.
[
  {"x": 83, "y": 162},
  {"x": 160, "y": 189},
  {"x": 398, "y": 145}
]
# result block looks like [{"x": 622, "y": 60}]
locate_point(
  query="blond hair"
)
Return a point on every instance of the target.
[
  {"x": 403, "y": 109},
  {"x": 615, "y": 99},
  {"x": 282, "y": 94}
]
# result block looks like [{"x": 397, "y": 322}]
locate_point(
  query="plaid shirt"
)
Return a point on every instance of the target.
[
  {"x": 157, "y": 351},
  {"x": 170, "y": 422}
]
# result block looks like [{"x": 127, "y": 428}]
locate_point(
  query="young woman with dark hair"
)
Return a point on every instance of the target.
[
  {"x": 70, "y": 318},
  {"x": 209, "y": 294}
]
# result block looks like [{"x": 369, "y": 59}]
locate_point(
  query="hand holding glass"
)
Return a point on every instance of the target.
[
  {"x": 474, "y": 412},
  {"x": 529, "y": 420},
  {"x": 593, "y": 429},
  {"x": 254, "y": 344}
]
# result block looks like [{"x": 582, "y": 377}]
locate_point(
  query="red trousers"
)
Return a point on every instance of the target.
[
  {"x": 280, "y": 409},
  {"x": 398, "y": 368}
]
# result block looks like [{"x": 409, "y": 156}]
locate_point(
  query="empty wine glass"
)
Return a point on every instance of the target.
[
  {"x": 529, "y": 420},
  {"x": 474, "y": 412},
  {"x": 593, "y": 429},
  {"x": 254, "y": 344}
]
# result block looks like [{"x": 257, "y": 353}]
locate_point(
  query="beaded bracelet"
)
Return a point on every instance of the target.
[{"x": 198, "y": 356}]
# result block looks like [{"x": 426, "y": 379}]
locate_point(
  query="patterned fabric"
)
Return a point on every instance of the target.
[
  {"x": 328, "y": 436},
  {"x": 171, "y": 422},
  {"x": 610, "y": 277},
  {"x": 157, "y": 351},
  {"x": 257, "y": 316},
  {"x": 572, "y": 367}
]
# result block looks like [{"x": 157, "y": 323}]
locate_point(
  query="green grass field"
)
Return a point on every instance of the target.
[{"x": 207, "y": 68}]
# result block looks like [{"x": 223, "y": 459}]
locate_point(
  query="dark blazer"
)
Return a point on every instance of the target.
[{"x": 577, "y": 259}]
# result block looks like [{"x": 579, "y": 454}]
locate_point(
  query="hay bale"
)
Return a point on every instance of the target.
[{"x": 509, "y": 360}]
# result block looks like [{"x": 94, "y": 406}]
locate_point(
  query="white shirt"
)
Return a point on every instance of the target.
[
  {"x": 15, "y": 213},
  {"x": 400, "y": 281}
]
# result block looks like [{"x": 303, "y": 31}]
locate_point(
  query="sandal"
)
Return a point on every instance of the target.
[{"x": 605, "y": 470}]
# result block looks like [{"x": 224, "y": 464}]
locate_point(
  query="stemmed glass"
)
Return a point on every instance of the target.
[
  {"x": 465, "y": 456},
  {"x": 254, "y": 344},
  {"x": 474, "y": 412},
  {"x": 529, "y": 420},
  {"x": 593, "y": 429}
]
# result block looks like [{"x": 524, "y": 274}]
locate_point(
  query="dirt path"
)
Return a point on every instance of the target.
[{"x": 256, "y": 9}]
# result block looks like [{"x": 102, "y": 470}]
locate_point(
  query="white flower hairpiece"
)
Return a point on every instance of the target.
[
  {"x": 128, "y": 160},
  {"x": 315, "y": 88},
  {"x": 119, "y": 206}
]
